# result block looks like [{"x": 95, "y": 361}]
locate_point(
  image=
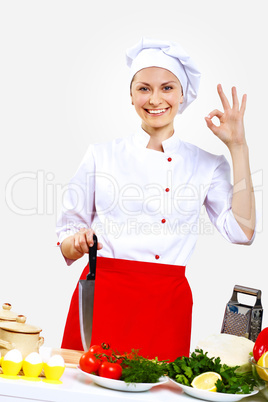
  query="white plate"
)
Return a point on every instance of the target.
[
  {"x": 119, "y": 385},
  {"x": 212, "y": 396}
]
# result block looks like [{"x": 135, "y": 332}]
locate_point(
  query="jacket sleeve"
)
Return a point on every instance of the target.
[
  {"x": 218, "y": 203},
  {"x": 78, "y": 206}
]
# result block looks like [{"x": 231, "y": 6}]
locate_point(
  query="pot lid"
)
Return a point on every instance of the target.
[
  {"x": 6, "y": 314},
  {"x": 20, "y": 326}
]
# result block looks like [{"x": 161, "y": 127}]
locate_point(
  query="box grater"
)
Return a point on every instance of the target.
[{"x": 241, "y": 319}]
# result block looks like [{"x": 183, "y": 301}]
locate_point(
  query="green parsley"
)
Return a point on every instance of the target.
[{"x": 185, "y": 369}]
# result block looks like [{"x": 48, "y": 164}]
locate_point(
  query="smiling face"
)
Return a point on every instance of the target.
[{"x": 156, "y": 94}]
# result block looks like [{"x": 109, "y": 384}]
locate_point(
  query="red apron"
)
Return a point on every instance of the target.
[{"x": 137, "y": 305}]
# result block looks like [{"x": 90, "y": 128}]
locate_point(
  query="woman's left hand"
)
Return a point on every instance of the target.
[{"x": 231, "y": 129}]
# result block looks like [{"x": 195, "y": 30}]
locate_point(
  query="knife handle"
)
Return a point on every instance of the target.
[{"x": 92, "y": 259}]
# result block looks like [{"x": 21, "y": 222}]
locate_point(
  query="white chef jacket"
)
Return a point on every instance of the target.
[{"x": 144, "y": 204}]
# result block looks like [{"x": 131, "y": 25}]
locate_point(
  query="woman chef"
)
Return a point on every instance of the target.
[{"x": 142, "y": 196}]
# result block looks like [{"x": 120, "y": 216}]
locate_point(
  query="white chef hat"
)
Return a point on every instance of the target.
[{"x": 172, "y": 57}]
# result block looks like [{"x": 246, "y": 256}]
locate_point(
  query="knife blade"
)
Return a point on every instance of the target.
[{"x": 86, "y": 297}]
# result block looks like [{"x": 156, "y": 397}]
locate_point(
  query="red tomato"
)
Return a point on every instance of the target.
[
  {"x": 89, "y": 363},
  {"x": 261, "y": 344},
  {"x": 102, "y": 350},
  {"x": 110, "y": 370},
  {"x": 96, "y": 349}
]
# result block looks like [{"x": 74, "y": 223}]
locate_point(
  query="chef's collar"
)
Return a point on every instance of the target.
[{"x": 170, "y": 145}]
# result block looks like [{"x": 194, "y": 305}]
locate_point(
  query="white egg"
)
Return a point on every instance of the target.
[
  {"x": 56, "y": 360},
  {"x": 13, "y": 355},
  {"x": 34, "y": 358}
]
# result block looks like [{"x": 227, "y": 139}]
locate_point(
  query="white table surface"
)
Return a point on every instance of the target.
[{"x": 76, "y": 387}]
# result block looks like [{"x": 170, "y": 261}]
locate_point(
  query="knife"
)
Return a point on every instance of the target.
[{"x": 86, "y": 297}]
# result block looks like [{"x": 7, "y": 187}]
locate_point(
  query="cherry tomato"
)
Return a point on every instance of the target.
[
  {"x": 110, "y": 370},
  {"x": 118, "y": 359},
  {"x": 89, "y": 363},
  {"x": 102, "y": 351},
  {"x": 96, "y": 349},
  {"x": 261, "y": 344}
]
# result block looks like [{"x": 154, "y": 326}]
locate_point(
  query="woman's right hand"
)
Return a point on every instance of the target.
[{"x": 77, "y": 245}]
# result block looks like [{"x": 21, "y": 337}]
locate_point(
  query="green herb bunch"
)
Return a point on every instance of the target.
[
  {"x": 185, "y": 369},
  {"x": 138, "y": 369}
]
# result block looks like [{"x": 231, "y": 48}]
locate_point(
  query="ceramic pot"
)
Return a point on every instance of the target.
[{"x": 19, "y": 335}]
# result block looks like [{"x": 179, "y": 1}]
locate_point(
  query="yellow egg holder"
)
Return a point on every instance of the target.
[{"x": 31, "y": 372}]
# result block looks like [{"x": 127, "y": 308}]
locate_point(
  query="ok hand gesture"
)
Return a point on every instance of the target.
[{"x": 231, "y": 128}]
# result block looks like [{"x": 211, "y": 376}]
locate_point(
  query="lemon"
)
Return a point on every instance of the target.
[
  {"x": 263, "y": 362},
  {"x": 206, "y": 381}
]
